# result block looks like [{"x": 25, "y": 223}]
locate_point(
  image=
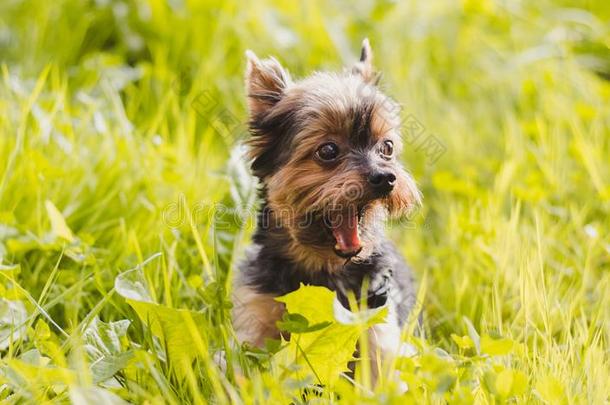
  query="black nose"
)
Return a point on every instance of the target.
[{"x": 382, "y": 182}]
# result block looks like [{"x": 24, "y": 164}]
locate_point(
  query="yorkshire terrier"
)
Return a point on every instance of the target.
[{"x": 325, "y": 150}]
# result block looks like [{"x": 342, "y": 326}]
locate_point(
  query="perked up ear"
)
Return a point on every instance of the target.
[
  {"x": 364, "y": 67},
  {"x": 266, "y": 81}
]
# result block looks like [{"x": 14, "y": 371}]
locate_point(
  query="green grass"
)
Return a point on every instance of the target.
[{"x": 117, "y": 124}]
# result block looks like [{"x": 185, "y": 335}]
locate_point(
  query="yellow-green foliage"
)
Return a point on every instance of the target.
[{"x": 124, "y": 201}]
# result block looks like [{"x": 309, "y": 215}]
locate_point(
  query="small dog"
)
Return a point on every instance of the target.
[{"x": 325, "y": 150}]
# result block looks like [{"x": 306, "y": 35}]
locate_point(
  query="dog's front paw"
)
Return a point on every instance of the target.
[{"x": 378, "y": 291}]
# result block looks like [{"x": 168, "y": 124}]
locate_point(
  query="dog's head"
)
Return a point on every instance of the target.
[{"x": 326, "y": 150}]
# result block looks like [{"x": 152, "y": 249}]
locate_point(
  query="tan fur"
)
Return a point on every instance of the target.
[
  {"x": 255, "y": 315},
  {"x": 364, "y": 67},
  {"x": 264, "y": 79},
  {"x": 289, "y": 122},
  {"x": 303, "y": 184}
]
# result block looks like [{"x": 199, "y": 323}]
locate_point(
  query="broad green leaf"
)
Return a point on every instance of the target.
[
  {"x": 519, "y": 383},
  {"x": 463, "y": 342},
  {"x": 322, "y": 353},
  {"x": 108, "y": 365},
  {"x": 437, "y": 369},
  {"x": 181, "y": 331},
  {"x": 504, "y": 382},
  {"x": 293, "y": 323},
  {"x": 297, "y": 323},
  {"x": 132, "y": 285},
  {"x": 58, "y": 223},
  {"x": 42, "y": 330},
  {"x": 105, "y": 337},
  {"x": 496, "y": 347},
  {"x": 551, "y": 390},
  {"x": 103, "y": 344}
]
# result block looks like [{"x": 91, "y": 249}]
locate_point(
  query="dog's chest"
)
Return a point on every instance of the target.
[{"x": 371, "y": 279}]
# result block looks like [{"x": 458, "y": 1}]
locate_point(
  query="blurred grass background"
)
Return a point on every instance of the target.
[{"x": 121, "y": 118}]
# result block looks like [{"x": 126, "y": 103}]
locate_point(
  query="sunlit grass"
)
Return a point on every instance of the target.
[{"x": 120, "y": 118}]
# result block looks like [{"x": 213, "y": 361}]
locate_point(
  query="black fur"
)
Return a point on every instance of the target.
[
  {"x": 346, "y": 105},
  {"x": 278, "y": 131},
  {"x": 270, "y": 270},
  {"x": 361, "y": 125}
]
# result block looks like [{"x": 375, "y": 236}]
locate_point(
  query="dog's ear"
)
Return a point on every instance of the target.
[
  {"x": 364, "y": 67},
  {"x": 266, "y": 81},
  {"x": 266, "y": 85}
]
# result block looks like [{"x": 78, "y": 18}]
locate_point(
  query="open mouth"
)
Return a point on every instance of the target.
[{"x": 345, "y": 228}]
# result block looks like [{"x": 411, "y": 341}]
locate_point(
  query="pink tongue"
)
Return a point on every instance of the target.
[{"x": 346, "y": 234}]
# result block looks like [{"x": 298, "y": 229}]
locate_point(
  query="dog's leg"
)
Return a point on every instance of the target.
[
  {"x": 254, "y": 316},
  {"x": 384, "y": 344}
]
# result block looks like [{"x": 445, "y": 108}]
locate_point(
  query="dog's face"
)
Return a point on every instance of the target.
[{"x": 325, "y": 149}]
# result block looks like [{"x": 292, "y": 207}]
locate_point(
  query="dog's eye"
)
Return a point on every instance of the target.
[
  {"x": 387, "y": 148},
  {"x": 327, "y": 152}
]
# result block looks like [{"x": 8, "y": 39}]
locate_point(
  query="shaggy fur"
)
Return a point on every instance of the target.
[{"x": 304, "y": 196}]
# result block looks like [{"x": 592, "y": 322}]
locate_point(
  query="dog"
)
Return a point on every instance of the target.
[{"x": 325, "y": 150}]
